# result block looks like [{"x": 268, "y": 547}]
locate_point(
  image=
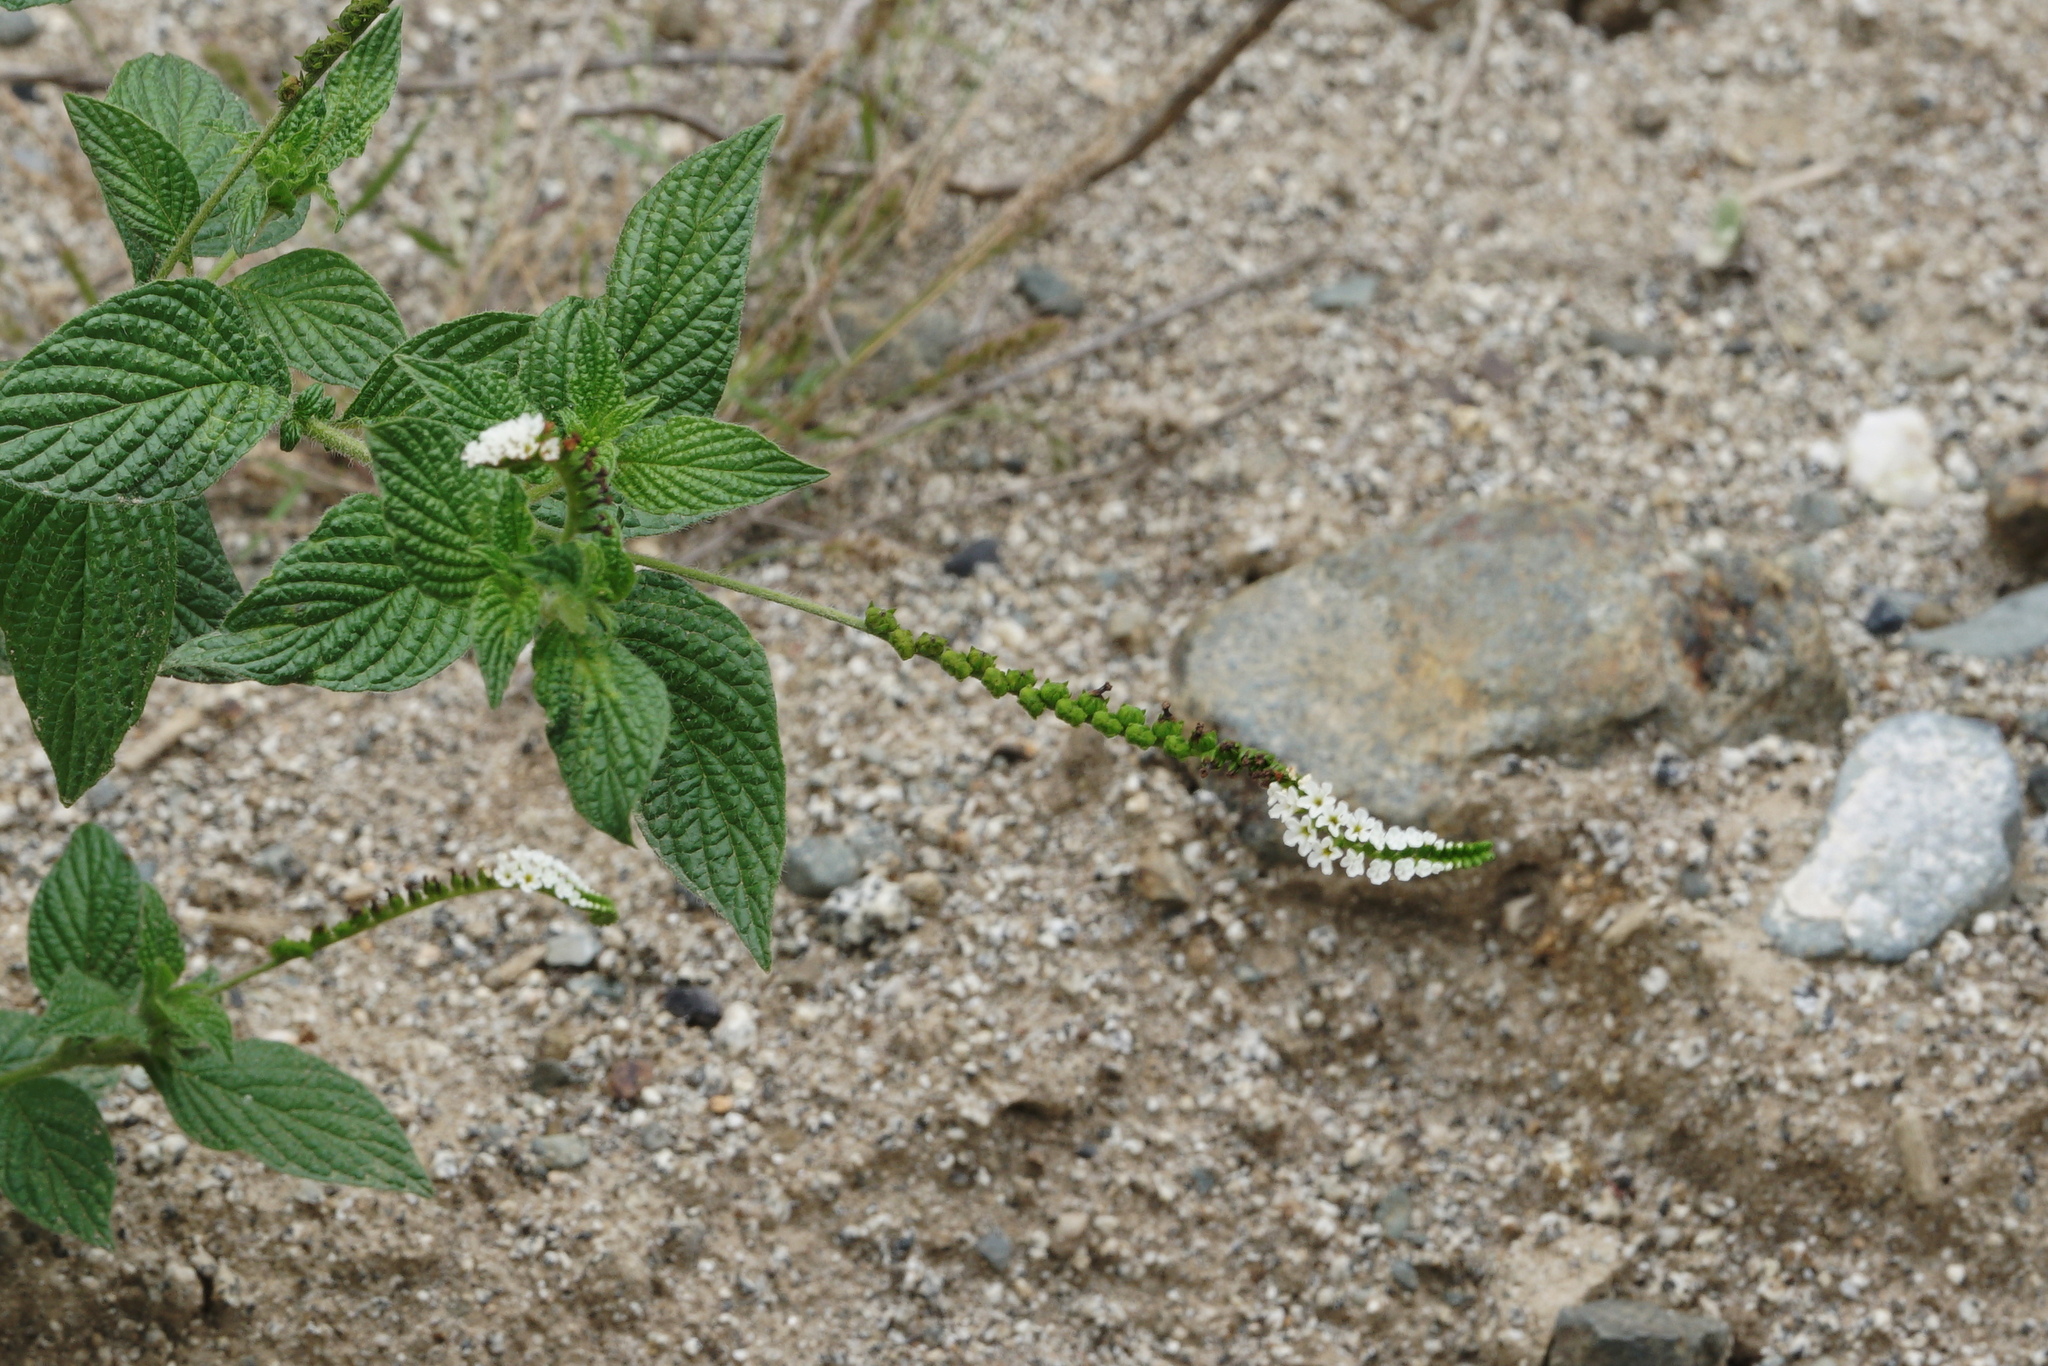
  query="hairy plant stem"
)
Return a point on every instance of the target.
[
  {"x": 816, "y": 609},
  {"x": 336, "y": 440},
  {"x": 369, "y": 918},
  {"x": 242, "y": 163},
  {"x": 77, "y": 1053}
]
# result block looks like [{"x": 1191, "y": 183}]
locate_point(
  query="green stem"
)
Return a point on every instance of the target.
[
  {"x": 69, "y": 260},
  {"x": 816, "y": 609},
  {"x": 336, "y": 440},
  {"x": 76, "y": 1053},
  {"x": 369, "y": 918},
  {"x": 220, "y": 267},
  {"x": 183, "y": 245}
]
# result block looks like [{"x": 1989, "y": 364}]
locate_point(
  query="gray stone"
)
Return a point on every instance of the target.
[
  {"x": 820, "y": 865},
  {"x": 1818, "y": 510},
  {"x": 2012, "y": 628},
  {"x": 1047, "y": 293},
  {"x": 576, "y": 947},
  {"x": 1891, "y": 612},
  {"x": 562, "y": 1152},
  {"x": 1695, "y": 883},
  {"x": 2037, "y": 785},
  {"x": 1633, "y": 1333},
  {"x": 1629, "y": 344},
  {"x": 1922, "y": 832},
  {"x": 694, "y": 1005},
  {"x": 1351, "y": 292},
  {"x": 549, "y": 1074},
  {"x": 280, "y": 861},
  {"x": 18, "y": 30},
  {"x": 865, "y": 912},
  {"x": 1404, "y": 1275},
  {"x": 654, "y": 1137},
  {"x": 995, "y": 1249},
  {"x": 1392, "y": 669},
  {"x": 2034, "y": 725},
  {"x": 596, "y": 986}
]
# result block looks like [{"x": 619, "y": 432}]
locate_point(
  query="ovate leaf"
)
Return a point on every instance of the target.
[
  {"x": 87, "y": 615},
  {"x": 678, "y": 280},
  {"x": 331, "y": 123},
  {"x": 56, "y": 1162},
  {"x": 492, "y": 340},
  {"x": 87, "y": 915},
  {"x": 608, "y": 718},
  {"x": 325, "y": 312},
  {"x": 205, "y": 121},
  {"x": 21, "y": 1038},
  {"x": 467, "y": 397},
  {"x": 187, "y": 1020},
  {"x": 83, "y": 1007},
  {"x": 572, "y": 374},
  {"x": 159, "y": 945},
  {"x": 695, "y": 467},
  {"x": 293, "y": 1112},
  {"x": 507, "y": 614},
  {"x": 150, "y": 191},
  {"x": 337, "y": 611},
  {"x": 207, "y": 587},
  {"x": 713, "y": 810},
  {"x": 147, "y": 397},
  {"x": 442, "y": 513}
]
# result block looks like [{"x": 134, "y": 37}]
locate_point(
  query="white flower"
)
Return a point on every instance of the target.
[
  {"x": 1328, "y": 831},
  {"x": 529, "y": 870},
  {"x": 525, "y": 437}
]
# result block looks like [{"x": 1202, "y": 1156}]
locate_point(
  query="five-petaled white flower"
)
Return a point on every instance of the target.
[{"x": 525, "y": 437}]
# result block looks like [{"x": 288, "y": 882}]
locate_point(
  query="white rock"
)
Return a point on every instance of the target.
[
  {"x": 1891, "y": 458},
  {"x": 737, "y": 1031},
  {"x": 1922, "y": 833},
  {"x": 864, "y": 911},
  {"x": 1655, "y": 981}
]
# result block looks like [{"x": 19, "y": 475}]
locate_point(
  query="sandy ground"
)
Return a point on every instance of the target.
[{"x": 1289, "y": 1124}]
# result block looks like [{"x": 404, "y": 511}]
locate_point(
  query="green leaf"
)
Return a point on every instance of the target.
[
  {"x": 21, "y": 1038},
  {"x": 632, "y": 521},
  {"x": 488, "y": 339},
  {"x": 442, "y": 513},
  {"x": 713, "y": 810},
  {"x": 325, "y": 312},
  {"x": 56, "y": 1161},
  {"x": 86, "y": 915},
  {"x": 608, "y": 717},
  {"x": 207, "y": 123},
  {"x": 507, "y": 615},
  {"x": 207, "y": 586},
  {"x": 149, "y": 189},
  {"x": 159, "y": 944},
  {"x": 88, "y": 614},
  {"x": 293, "y": 1112},
  {"x": 332, "y": 122},
  {"x": 189, "y": 1019},
  {"x": 468, "y": 397},
  {"x": 698, "y": 468},
  {"x": 83, "y": 1007},
  {"x": 147, "y": 397},
  {"x": 678, "y": 280},
  {"x": 572, "y": 374},
  {"x": 337, "y": 612}
]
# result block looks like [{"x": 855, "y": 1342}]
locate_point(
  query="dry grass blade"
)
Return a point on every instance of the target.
[
  {"x": 1067, "y": 355},
  {"x": 667, "y": 113}
]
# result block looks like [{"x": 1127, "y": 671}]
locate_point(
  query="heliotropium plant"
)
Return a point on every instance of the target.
[
  {"x": 514, "y": 455},
  {"x": 108, "y": 959}
]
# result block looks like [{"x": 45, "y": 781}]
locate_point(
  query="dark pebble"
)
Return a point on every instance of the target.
[
  {"x": 2034, "y": 725},
  {"x": 961, "y": 562},
  {"x": 1402, "y": 1273},
  {"x": 1873, "y": 314},
  {"x": 1202, "y": 1180},
  {"x": 1672, "y": 770},
  {"x": 1818, "y": 510},
  {"x": 693, "y": 1005},
  {"x": 1891, "y": 613},
  {"x": 549, "y": 1074},
  {"x": 2037, "y": 785},
  {"x": 1695, "y": 884}
]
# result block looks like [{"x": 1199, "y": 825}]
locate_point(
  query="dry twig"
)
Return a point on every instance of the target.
[{"x": 1468, "y": 74}]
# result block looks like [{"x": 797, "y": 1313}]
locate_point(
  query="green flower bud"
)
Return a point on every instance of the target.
[
  {"x": 931, "y": 646},
  {"x": 1131, "y": 716},
  {"x": 900, "y": 641},
  {"x": 1070, "y": 712},
  {"x": 1029, "y": 699},
  {"x": 954, "y": 663},
  {"x": 1106, "y": 723},
  {"x": 1176, "y": 747},
  {"x": 1052, "y": 693},
  {"x": 1141, "y": 736}
]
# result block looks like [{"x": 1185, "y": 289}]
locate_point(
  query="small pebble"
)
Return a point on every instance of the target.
[
  {"x": 1048, "y": 294},
  {"x": 995, "y": 1249},
  {"x": 575, "y": 947},
  {"x": 18, "y": 30},
  {"x": 1352, "y": 292},
  {"x": 629, "y": 1078},
  {"x": 693, "y": 1005},
  {"x": 1891, "y": 458},
  {"x": 1630, "y": 344},
  {"x": 736, "y": 1032},
  {"x": 1891, "y": 612},
  {"x": 562, "y": 1152},
  {"x": 962, "y": 563},
  {"x": 820, "y": 865},
  {"x": 1402, "y": 1273}
]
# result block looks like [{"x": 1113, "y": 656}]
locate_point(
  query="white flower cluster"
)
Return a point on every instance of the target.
[
  {"x": 1328, "y": 833},
  {"x": 529, "y": 870},
  {"x": 519, "y": 438}
]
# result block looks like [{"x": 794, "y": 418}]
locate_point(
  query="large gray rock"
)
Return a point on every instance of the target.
[
  {"x": 1922, "y": 831},
  {"x": 1632, "y": 1333},
  {"x": 1392, "y": 668},
  {"x": 2012, "y": 628}
]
